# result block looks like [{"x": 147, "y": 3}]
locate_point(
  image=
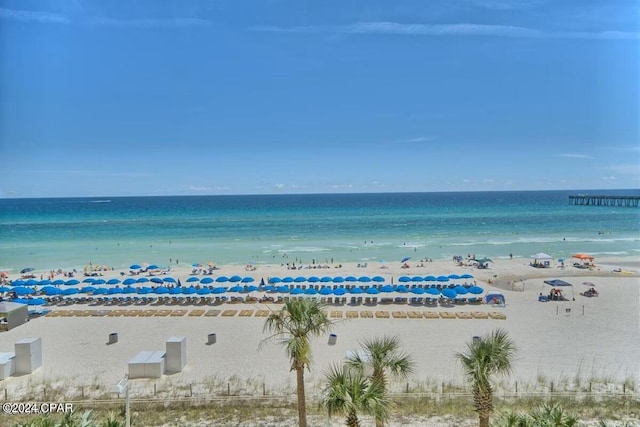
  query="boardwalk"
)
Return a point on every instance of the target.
[{"x": 599, "y": 200}]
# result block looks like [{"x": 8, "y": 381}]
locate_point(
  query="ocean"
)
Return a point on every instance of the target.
[{"x": 266, "y": 229}]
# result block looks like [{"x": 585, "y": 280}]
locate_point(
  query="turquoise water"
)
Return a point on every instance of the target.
[{"x": 70, "y": 232}]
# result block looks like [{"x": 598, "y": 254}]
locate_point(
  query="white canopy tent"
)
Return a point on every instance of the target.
[{"x": 541, "y": 260}]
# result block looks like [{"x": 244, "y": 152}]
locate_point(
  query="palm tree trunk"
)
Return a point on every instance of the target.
[
  {"x": 302, "y": 408},
  {"x": 352, "y": 419},
  {"x": 484, "y": 420},
  {"x": 378, "y": 374}
]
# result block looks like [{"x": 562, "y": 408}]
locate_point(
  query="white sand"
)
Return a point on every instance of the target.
[{"x": 602, "y": 344}]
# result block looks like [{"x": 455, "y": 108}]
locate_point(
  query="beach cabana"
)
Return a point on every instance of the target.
[
  {"x": 13, "y": 314},
  {"x": 541, "y": 260},
  {"x": 495, "y": 298},
  {"x": 556, "y": 294}
]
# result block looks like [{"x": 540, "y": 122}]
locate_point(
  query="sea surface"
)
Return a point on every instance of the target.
[{"x": 265, "y": 229}]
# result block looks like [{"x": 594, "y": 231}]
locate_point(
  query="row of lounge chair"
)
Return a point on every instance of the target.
[
  {"x": 336, "y": 314},
  {"x": 218, "y": 300}
]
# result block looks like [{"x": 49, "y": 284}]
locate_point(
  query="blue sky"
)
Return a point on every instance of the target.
[{"x": 152, "y": 97}]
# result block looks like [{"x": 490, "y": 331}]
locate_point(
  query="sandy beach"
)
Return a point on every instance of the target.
[{"x": 586, "y": 339}]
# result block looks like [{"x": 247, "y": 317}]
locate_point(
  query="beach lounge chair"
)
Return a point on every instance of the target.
[
  {"x": 399, "y": 314},
  {"x": 229, "y": 313},
  {"x": 178, "y": 313},
  {"x": 196, "y": 313},
  {"x": 246, "y": 313},
  {"x": 497, "y": 315},
  {"x": 414, "y": 315},
  {"x": 262, "y": 313},
  {"x": 447, "y": 315},
  {"x": 431, "y": 315},
  {"x": 352, "y": 314},
  {"x": 212, "y": 313},
  {"x": 336, "y": 314},
  {"x": 479, "y": 315},
  {"x": 382, "y": 314},
  {"x": 366, "y": 314},
  {"x": 463, "y": 315}
]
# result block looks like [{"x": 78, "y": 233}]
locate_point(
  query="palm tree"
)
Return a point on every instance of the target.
[
  {"x": 486, "y": 356},
  {"x": 382, "y": 355},
  {"x": 293, "y": 325},
  {"x": 348, "y": 392},
  {"x": 544, "y": 416}
]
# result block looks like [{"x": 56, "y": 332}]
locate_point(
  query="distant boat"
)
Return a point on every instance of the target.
[{"x": 99, "y": 201}]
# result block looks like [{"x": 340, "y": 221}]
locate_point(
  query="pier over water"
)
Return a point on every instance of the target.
[{"x": 598, "y": 200}]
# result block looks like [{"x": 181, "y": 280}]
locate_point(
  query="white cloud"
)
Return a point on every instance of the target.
[
  {"x": 458, "y": 29},
  {"x": 576, "y": 156},
  {"x": 33, "y": 16},
  {"x": 609, "y": 178},
  {"x": 506, "y": 4},
  {"x": 148, "y": 22}
]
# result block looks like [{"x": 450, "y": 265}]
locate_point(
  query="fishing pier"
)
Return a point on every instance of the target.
[{"x": 598, "y": 200}]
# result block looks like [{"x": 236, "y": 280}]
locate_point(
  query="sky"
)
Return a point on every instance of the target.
[{"x": 207, "y": 97}]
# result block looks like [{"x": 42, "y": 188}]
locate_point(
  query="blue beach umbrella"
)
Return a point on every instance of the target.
[
  {"x": 129, "y": 290},
  {"x": 300, "y": 279},
  {"x": 404, "y": 279},
  {"x": 417, "y": 279},
  {"x": 135, "y": 267},
  {"x": 430, "y": 278},
  {"x": 70, "y": 291},
  {"x": 247, "y": 279},
  {"x": 101, "y": 291},
  {"x": 296, "y": 291},
  {"x": 31, "y": 282},
  {"x": 402, "y": 289},
  {"x": 195, "y": 279},
  {"x": 466, "y": 276},
  {"x": 313, "y": 279},
  {"x": 432, "y": 291},
  {"x": 221, "y": 279},
  {"x": 161, "y": 290},
  {"x": 219, "y": 290},
  {"x": 453, "y": 277},
  {"x": 203, "y": 291},
  {"x": 339, "y": 291},
  {"x": 52, "y": 291},
  {"x": 275, "y": 280},
  {"x": 169, "y": 280},
  {"x": 476, "y": 290},
  {"x": 142, "y": 280},
  {"x": 326, "y": 279},
  {"x": 417, "y": 291},
  {"x": 44, "y": 282},
  {"x": 287, "y": 279},
  {"x": 235, "y": 279},
  {"x": 378, "y": 279},
  {"x": 58, "y": 282},
  {"x": 338, "y": 279},
  {"x": 36, "y": 301},
  {"x": 351, "y": 279},
  {"x": 99, "y": 282},
  {"x": 175, "y": 291},
  {"x": 364, "y": 279},
  {"x": 112, "y": 281},
  {"x": 387, "y": 288},
  {"x": 235, "y": 289},
  {"x": 405, "y": 259},
  {"x": 449, "y": 293},
  {"x": 87, "y": 289},
  {"x": 283, "y": 289},
  {"x": 372, "y": 291},
  {"x": 72, "y": 282},
  {"x": 20, "y": 301},
  {"x": 5, "y": 289},
  {"x": 145, "y": 290},
  {"x": 250, "y": 288},
  {"x": 89, "y": 280},
  {"x": 442, "y": 278},
  {"x": 21, "y": 290},
  {"x": 356, "y": 290},
  {"x": 18, "y": 282},
  {"x": 325, "y": 291},
  {"x": 189, "y": 290},
  {"x": 156, "y": 280},
  {"x": 113, "y": 291},
  {"x": 153, "y": 267},
  {"x": 129, "y": 281},
  {"x": 269, "y": 288},
  {"x": 460, "y": 290},
  {"x": 204, "y": 281},
  {"x": 310, "y": 291}
]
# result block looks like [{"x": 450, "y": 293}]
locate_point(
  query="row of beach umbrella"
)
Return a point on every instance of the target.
[
  {"x": 451, "y": 292},
  {"x": 366, "y": 279}
]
